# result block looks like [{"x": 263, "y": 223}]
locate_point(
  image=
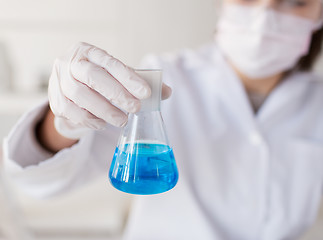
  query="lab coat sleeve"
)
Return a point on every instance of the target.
[
  {"x": 21, "y": 144},
  {"x": 42, "y": 174}
]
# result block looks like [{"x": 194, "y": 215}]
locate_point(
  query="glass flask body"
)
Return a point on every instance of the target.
[{"x": 143, "y": 162}]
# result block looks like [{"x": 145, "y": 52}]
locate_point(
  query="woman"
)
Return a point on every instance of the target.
[{"x": 245, "y": 121}]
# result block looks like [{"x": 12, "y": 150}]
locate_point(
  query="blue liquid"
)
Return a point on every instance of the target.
[{"x": 143, "y": 168}]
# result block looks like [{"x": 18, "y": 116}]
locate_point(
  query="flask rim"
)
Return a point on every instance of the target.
[{"x": 148, "y": 70}]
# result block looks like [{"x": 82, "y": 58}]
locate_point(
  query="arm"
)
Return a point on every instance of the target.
[
  {"x": 48, "y": 137},
  {"x": 84, "y": 96},
  {"x": 42, "y": 174}
]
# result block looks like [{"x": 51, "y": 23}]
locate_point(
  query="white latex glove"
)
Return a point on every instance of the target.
[{"x": 89, "y": 88}]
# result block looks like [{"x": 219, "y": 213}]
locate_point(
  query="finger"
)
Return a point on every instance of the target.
[
  {"x": 166, "y": 91},
  {"x": 70, "y": 130},
  {"x": 101, "y": 81},
  {"x": 93, "y": 102},
  {"x": 137, "y": 86},
  {"x": 79, "y": 116},
  {"x": 62, "y": 107}
]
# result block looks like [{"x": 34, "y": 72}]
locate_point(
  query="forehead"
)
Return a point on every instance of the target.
[
  {"x": 275, "y": 1},
  {"x": 311, "y": 9}
]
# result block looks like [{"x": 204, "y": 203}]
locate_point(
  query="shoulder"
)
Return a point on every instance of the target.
[
  {"x": 184, "y": 59},
  {"x": 186, "y": 65},
  {"x": 312, "y": 100},
  {"x": 311, "y": 82},
  {"x": 308, "y": 87}
]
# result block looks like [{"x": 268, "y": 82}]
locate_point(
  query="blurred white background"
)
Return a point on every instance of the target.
[{"x": 32, "y": 34}]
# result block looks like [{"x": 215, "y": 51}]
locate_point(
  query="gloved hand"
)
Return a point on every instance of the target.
[{"x": 89, "y": 88}]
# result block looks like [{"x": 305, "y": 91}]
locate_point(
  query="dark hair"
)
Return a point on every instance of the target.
[{"x": 307, "y": 62}]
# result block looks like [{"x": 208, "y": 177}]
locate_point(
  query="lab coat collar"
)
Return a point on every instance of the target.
[
  {"x": 288, "y": 95},
  {"x": 233, "y": 94}
]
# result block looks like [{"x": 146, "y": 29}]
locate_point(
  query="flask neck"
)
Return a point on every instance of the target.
[
  {"x": 145, "y": 126},
  {"x": 154, "y": 80}
]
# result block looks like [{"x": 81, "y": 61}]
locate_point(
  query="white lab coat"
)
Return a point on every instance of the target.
[{"x": 241, "y": 176}]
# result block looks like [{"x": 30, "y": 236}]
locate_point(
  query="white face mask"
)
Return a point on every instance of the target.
[{"x": 262, "y": 42}]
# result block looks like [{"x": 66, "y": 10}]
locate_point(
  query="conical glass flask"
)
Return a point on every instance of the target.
[{"x": 143, "y": 162}]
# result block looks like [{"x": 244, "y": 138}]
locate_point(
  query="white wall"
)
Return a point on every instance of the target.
[{"x": 36, "y": 31}]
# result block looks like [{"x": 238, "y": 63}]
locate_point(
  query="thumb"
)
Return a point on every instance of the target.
[
  {"x": 70, "y": 130},
  {"x": 166, "y": 91}
]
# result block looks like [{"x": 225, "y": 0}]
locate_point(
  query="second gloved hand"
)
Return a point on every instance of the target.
[{"x": 89, "y": 88}]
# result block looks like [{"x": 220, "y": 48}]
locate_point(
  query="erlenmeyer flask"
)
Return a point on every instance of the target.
[{"x": 143, "y": 162}]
